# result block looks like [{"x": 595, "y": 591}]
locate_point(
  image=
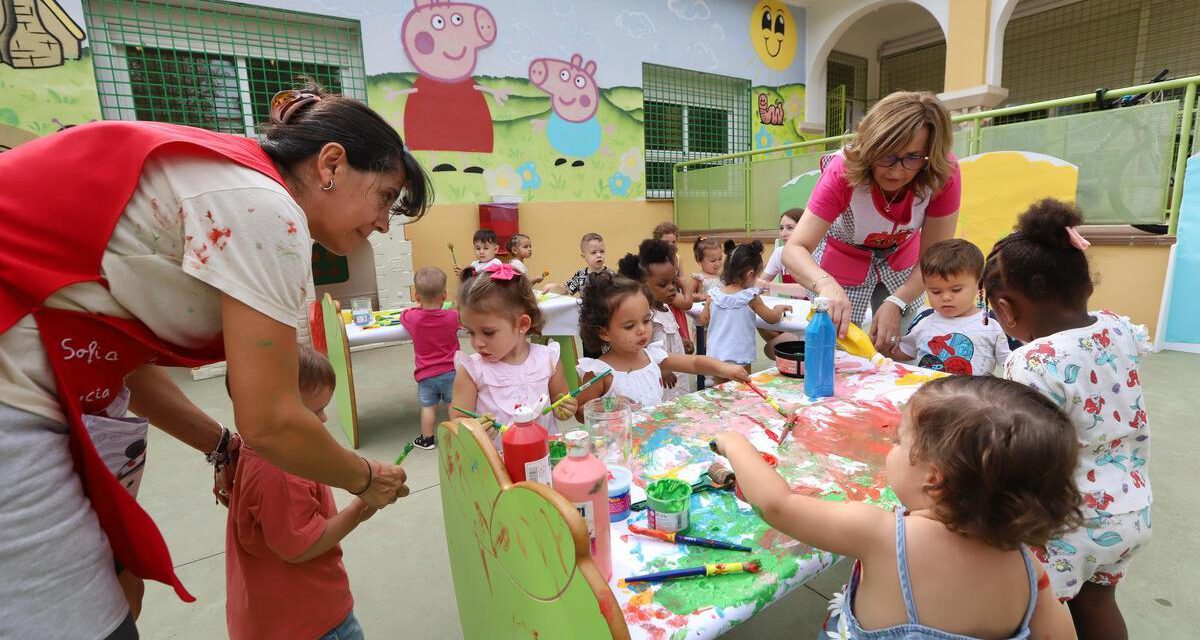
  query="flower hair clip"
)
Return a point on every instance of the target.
[
  {"x": 286, "y": 103},
  {"x": 501, "y": 271}
]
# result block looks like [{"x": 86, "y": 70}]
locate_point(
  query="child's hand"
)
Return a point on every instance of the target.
[
  {"x": 734, "y": 372},
  {"x": 566, "y": 410},
  {"x": 365, "y": 512},
  {"x": 489, "y": 424},
  {"x": 786, "y": 308},
  {"x": 689, "y": 347},
  {"x": 721, "y": 443},
  {"x": 457, "y": 272},
  {"x": 669, "y": 380}
]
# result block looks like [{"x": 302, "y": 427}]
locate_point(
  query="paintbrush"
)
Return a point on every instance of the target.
[
  {"x": 768, "y": 399},
  {"x": 575, "y": 392},
  {"x": 453, "y": 259},
  {"x": 472, "y": 414},
  {"x": 679, "y": 538},
  {"x": 720, "y": 568},
  {"x": 404, "y": 454}
]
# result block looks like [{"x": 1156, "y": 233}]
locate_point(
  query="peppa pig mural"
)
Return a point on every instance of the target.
[
  {"x": 445, "y": 108},
  {"x": 572, "y": 128}
]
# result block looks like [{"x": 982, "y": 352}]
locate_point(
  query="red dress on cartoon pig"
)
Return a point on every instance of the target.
[
  {"x": 447, "y": 116},
  {"x": 445, "y": 110}
]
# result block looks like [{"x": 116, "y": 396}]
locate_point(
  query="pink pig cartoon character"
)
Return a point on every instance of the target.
[
  {"x": 445, "y": 109},
  {"x": 574, "y": 99}
]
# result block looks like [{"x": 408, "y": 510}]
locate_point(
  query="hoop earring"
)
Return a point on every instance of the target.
[{"x": 328, "y": 187}]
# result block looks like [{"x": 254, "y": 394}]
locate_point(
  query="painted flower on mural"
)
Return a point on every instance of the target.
[
  {"x": 763, "y": 139},
  {"x": 502, "y": 181},
  {"x": 793, "y": 106},
  {"x": 633, "y": 163},
  {"x": 530, "y": 179},
  {"x": 619, "y": 184}
]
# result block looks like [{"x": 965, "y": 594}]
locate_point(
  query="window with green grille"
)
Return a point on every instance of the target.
[
  {"x": 214, "y": 64},
  {"x": 919, "y": 69},
  {"x": 1076, "y": 48},
  {"x": 689, "y": 115}
]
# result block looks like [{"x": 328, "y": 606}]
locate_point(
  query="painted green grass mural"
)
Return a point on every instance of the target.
[
  {"x": 32, "y": 99},
  {"x": 523, "y": 161}
]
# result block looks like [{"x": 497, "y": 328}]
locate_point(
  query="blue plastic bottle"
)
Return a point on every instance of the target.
[{"x": 820, "y": 338}]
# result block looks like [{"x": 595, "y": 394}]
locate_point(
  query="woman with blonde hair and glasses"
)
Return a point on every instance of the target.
[
  {"x": 890, "y": 193},
  {"x": 133, "y": 246}
]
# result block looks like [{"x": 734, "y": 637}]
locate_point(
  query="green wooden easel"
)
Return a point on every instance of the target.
[{"x": 518, "y": 552}]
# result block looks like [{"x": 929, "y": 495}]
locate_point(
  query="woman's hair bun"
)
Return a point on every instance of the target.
[{"x": 1046, "y": 222}]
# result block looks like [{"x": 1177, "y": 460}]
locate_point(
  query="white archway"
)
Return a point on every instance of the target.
[
  {"x": 827, "y": 22},
  {"x": 1002, "y": 11}
]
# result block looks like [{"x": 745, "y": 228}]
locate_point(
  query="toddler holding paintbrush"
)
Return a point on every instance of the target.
[
  {"x": 486, "y": 246},
  {"x": 498, "y": 309},
  {"x": 984, "y": 468},
  {"x": 283, "y": 563}
]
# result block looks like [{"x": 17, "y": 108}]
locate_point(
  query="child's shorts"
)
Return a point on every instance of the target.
[
  {"x": 436, "y": 390},
  {"x": 1097, "y": 552}
]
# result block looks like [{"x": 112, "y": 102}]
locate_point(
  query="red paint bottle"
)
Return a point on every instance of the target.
[{"x": 527, "y": 446}]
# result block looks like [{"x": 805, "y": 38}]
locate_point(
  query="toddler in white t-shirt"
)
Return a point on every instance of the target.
[{"x": 951, "y": 336}]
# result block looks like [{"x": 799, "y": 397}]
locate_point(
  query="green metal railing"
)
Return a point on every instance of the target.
[{"x": 974, "y": 125}]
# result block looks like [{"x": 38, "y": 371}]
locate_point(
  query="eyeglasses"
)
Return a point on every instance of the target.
[{"x": 912, "y": 161}]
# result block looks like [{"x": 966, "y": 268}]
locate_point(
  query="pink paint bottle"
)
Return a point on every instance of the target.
[
  {"x": 527, "y": 446},
  {"x": 583, "y": 480}
]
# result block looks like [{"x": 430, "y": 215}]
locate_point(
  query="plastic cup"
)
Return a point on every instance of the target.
[
  {"x": 609, "y": 421},
  {"x": 360, "y": 309}
]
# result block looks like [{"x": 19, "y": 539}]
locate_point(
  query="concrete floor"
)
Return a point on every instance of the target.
[{"x": 400, "y": 574}]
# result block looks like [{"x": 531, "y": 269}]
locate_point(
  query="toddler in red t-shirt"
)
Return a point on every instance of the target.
[{"x": 284, "y": 575}]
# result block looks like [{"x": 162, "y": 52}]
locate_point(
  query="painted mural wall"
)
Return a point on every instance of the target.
[{"x": 536, "y": 98}]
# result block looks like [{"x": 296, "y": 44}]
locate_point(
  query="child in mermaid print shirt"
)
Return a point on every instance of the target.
[{"x": 1038, "y": 282}]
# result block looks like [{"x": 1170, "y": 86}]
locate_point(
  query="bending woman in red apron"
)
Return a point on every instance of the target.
[
  {"x": 133, "y": 246},
  {"x": 892, "y": 192}
]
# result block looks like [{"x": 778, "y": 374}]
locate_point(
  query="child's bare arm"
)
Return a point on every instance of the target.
[
  {"x": 683, "y": 300},
  {"x": 849, "y": 528},
  {"x": 705, "y": 315},
  {"x": 336, "y": 528},
  {"x": 464, "y": 393},
  {"x": 704, "y": 366},
  {"x": 770, "y": 315},
  {"x": 1051, "y": 620}
]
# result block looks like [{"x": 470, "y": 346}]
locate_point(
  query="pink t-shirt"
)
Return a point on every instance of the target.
[
  {"x": 831, "y": 197},
  {"x": 275, "y": 515},
  {"x": 435, "y": 340}
]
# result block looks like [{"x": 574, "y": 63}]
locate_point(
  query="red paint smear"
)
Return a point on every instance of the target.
[{"x": 858, "y": 430}]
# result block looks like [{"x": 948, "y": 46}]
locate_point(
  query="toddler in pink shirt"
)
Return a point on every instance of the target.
[{"x": 434, "y": 332}]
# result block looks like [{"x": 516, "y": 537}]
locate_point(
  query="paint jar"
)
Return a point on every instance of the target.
[
  {"x": 609, "y": 421},
  {"x": 558, "y": 451},
  {"x": 361, "y": 312},
  {"x": 668, "y": 501},
  {"x": 769, "y": 459},
  {"x": 620, "y": 480},
  {"x": 789, "y": 358}
]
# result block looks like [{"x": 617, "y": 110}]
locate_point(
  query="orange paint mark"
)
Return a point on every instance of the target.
[
  {"x": 486, "y": 570},
  {"x": 209, "y": 215},
  {"x": 502, "y": 540},
  {"x": 291, "y": 227}
]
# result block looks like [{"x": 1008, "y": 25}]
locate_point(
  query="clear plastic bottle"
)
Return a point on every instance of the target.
[
  {"x": 820, "y": 338},
  {"x": 527, "y": 447},
  {"x": 583, "y": 480}
]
